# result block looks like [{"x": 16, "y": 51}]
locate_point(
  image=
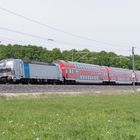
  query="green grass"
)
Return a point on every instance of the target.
[{"x": 106, "y": 117}]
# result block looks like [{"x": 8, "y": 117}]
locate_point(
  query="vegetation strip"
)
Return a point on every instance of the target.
[
  {"x": 70, "y": 117},
  {"x": 32, "y": 52}
]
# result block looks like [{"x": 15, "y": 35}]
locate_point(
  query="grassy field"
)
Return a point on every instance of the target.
[{"x": 106, "y": 117}]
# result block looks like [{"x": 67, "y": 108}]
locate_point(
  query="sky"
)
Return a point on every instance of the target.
[{"x": 111, "y": 25}]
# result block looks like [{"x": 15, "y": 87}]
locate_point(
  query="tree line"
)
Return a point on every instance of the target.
[{"x": 37, "y": 53}]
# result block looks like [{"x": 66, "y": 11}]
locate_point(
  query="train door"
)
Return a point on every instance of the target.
[
  {"x": 59, "y": 72},
  {"x": 77, "y": 74}
]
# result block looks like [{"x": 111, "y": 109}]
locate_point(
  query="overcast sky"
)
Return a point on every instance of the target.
[{"x": 116, "y": 22}]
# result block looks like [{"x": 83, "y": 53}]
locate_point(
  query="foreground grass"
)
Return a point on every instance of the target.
[{"x": 106, "y": 117}]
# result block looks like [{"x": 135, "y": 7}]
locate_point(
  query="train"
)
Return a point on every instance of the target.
[{"x": 64, "y": 72}]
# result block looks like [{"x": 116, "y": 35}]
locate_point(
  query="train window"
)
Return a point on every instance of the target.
[
  {"x": 72, "y": 71},
  {"x": 2, "y": 63},
  {"x": 66, "y": 71},
  {"x": 83, "y": 66}
]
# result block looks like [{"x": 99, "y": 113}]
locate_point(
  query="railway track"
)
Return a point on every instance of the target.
[{"x": 65, "y": 88}]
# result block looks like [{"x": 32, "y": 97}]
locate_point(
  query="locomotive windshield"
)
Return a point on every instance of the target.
[
  {"x": 3, "y": 70},
  {"x": 2, "y": 63}
]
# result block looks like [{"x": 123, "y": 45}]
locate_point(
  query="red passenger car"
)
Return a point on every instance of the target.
[
  {"x": 87, "y": 73},
  {"x": 75, "y": 72},
  {"x": 120, "y": 76}
]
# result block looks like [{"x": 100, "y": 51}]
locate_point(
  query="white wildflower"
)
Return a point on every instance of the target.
[
  {"x": 109, "y": 121},
  {"x": 37, "y": 138},
  {"x": 11, "y": 121},
  {"x": 107, "y": 132},
  {"x": 3, "y": 132}
]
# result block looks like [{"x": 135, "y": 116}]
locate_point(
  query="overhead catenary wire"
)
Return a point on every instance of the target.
[
  {"x": 44, "y": 38},
  {"x": 3, "y": 39},
  {"x": 57, "y": 29}
]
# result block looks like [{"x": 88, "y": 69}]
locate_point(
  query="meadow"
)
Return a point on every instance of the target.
[{"x": 98, "y": 117}]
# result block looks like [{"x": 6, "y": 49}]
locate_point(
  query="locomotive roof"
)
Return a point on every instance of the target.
[{"x": 40, "y": 63}]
